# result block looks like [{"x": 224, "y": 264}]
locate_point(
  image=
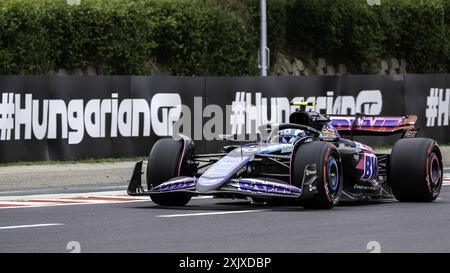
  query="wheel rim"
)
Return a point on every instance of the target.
[
  {"x": 435, "y": 171},
  {"x": 333, "y": 176}
]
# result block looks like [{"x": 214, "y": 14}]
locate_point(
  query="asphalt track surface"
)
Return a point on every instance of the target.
[{"x": 221, "y": 225}]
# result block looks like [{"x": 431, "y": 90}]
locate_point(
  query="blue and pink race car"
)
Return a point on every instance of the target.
[{"x": 306, "y": 162}]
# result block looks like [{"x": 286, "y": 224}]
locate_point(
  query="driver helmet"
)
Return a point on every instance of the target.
[{"x": 290, "y": 135}]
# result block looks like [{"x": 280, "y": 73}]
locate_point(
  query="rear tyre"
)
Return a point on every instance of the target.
[
  {"x": 163, "y": 165},
  {"x": 328, "y": 172},
  {"x": 416, "y": 170}
]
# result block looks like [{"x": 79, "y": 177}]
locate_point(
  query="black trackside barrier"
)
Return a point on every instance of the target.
[{"x": 77, "y": 117}]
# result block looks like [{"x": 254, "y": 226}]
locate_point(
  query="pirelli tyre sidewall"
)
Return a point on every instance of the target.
[
  {"x": 327, "y": 188},
  {"x": 416, "y": 170},
  {"x": 165, "y": 162}
]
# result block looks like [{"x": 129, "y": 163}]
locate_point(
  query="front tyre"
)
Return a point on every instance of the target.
[
  {"x": 416, "y": 170},
  {"x": 164, "y": 164},
  {"x": 328, "y": 171}
]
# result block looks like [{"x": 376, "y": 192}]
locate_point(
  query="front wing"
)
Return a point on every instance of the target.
[{"x": 251, "y": 187}]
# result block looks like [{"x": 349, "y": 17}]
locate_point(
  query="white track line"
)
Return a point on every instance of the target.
[
  {"x": 29, "y": 226},
  {"x": 209, "y": 213}
]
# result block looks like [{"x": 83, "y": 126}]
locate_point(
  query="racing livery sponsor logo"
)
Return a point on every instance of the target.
[
  {"x": 366, "y": 121},
  {"x": 309, "y": 177},
  {"x": 249, "y": 184},
  {"x": 309, "y": 172},
  {"x": 178, "y": 184},
  {"x": 370, "y": 167},
  {"x": 364, "y": 187}
]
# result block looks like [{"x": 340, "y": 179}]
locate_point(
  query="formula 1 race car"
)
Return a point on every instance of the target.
[{"x": 305, "y": 162}]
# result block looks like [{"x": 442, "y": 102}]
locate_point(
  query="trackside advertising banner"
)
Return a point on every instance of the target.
[
  {"x": 76, "y": 117},
  {"x": 428, "y": 96}
]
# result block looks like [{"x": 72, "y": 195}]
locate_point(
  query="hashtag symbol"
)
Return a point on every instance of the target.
[
  {"x": 237, "y": 117},
  {"x": 432, "y": 107},
  {"x": 6, "y": 116}
]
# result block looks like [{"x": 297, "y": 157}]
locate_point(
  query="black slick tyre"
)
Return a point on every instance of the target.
[
  {"x": 416, "y": 170},
  {"x": 163, "y": 165}
]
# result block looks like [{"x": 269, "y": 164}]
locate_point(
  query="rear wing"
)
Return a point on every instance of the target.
[{"x": 366, "y": 125}]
